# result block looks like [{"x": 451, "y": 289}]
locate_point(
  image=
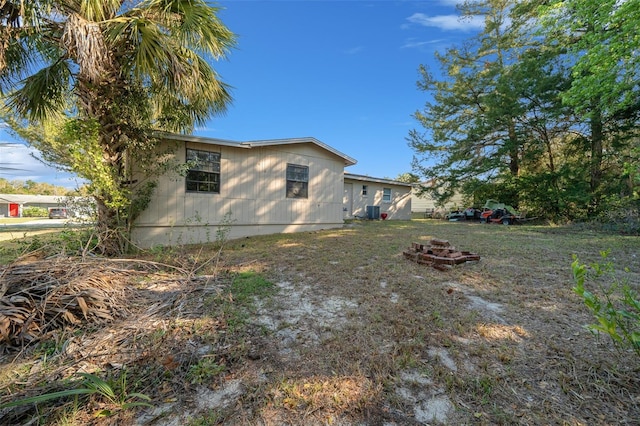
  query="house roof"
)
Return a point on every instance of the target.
[
  {"x": 200, "y": 139},
  {"x": 31, "y": 199},
  {"x": 348, "y": 161},
  {"x": 376, "y": 180}
]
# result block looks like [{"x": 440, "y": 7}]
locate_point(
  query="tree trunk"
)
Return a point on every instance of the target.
[
  {"x": 595, "y": 167},
  {"x": 97, "y": 101},
  {"x": 596, "y": 151},
  {"x": 514, "y": 160},
  {"x": 111, "y": 234}
]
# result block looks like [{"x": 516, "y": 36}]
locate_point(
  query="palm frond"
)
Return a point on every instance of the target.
[
  {"x": 182, "y": 102},
  {"x": 195, "y": 24},
  {"x": 157, "y": 54},
  {"x": 99, "y": 10},
  {"x": 146, "y": 42},
  {"x": 13, "y": 61},
  {"x": 43, "y": 94},
  {"x": 207, "y": 85},
  {"x": 189, "y": 24},
  {"x": 22, "y": 47},
  {"x": 166, "y": 45}
]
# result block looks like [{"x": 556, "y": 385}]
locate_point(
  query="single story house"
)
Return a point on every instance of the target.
[
  {"x": 424, "y": 204},
  {"x": 11, "y": 205},
  {"x": 250, "y": 188},
  {"x": 371, "y": 198}
]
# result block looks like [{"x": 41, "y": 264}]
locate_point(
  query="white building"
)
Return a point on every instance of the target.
[
  {"x": 256, "y": 187},
  {"x": 370, "y": 198}
]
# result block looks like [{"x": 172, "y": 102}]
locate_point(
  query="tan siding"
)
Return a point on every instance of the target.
[
  {"x": 420, "y": 204},
  {"x": 253, "y": 183},
  {"x": 398, "y": 209}
]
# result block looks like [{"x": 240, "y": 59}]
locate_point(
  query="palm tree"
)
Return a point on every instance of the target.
[{"x": 113, "y": 71}]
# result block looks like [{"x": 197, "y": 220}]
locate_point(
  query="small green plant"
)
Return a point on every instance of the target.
[
  {"x": 113, "y": 392},
  {"x": 69, "y": 415},
  {"x": 614, "y": 303},
  {"x": 247, "y": 285},
  {"x": 204, "y": 370},
  {"x": 212, "y": 417},
  {"x": 163, "y": 253},
  {"x": 484, "y": 386},
  {"x": 28, "y": 245},
  {"x": 223, "y": 230},
  {"x": 222, "y": 233},
  {"x": 77, "y": 241}
]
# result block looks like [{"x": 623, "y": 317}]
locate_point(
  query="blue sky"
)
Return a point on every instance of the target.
[{"x": 343, "y": 72}]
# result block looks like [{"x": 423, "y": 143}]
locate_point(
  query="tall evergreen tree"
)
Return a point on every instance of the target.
[
  {"x": 601, "y": 44},
  {"x": 472, "y": 123},
  {"x": 544, "y": 103}
]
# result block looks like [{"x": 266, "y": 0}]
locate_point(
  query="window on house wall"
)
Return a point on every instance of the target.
[
  {"x": 364, "y": 190},
  {"x": 204, "y": 171},
  {"x": 297, "y": 181},
  {"x": 386, "y": 195}
]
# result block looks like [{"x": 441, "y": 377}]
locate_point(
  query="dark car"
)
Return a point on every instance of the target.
[{"x": 58, "y": 213}]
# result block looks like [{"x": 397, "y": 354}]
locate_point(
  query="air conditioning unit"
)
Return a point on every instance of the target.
[{"x": 373, "y": 212}]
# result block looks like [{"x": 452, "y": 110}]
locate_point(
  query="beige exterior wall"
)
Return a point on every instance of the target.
[
  {"x": 355, "y": 203},
  {"x": 252, "y": 196},
  {"x": 421, "y": 204}
]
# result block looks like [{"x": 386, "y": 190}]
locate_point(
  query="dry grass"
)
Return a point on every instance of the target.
[{"x": 354, "y": 333}]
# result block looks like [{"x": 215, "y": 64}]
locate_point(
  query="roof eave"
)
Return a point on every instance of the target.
[
  {"x": 374, "y": 179},
  {"x": 201, "y": 139},
  {"x": 348, "y": 161}
]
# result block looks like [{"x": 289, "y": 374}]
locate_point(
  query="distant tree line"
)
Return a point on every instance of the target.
[
  {"x": 30, "y": 187},
  {"x": 540, "y": 110}
]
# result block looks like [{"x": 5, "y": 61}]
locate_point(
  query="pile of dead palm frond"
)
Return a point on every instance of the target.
[{"x": 39, "y": 297}]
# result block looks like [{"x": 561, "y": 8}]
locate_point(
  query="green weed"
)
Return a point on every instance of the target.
[
  {"x": 211, "y": 418},
  {"x": 112, "y": 392},
  {"x": 205, "y": 370},
  {"x": 615, "y": 305}
]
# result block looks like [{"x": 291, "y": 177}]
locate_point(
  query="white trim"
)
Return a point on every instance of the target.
[
  {"x": 376, "y": 180},
  {"x": 348, "y": 161}
]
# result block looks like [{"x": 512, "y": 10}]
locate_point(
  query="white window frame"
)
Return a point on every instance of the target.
[
  {"x": 204, "y": 171},
  {"x": 297, "y": 181},
  {"x": 386, "y": 195}
]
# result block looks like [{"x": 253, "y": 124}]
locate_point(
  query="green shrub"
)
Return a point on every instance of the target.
[
  {"x": 68, "y": 241},
  {"x": 621, "y": 215},
  {"x": 611, "y": 299},
  {"x": 35, "y": 212}
]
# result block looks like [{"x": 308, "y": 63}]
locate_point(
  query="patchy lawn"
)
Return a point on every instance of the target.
[{"x": 332, "y": 327}]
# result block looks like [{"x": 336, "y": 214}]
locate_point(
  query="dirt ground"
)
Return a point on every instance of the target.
[{"x": 351, "y": 332}]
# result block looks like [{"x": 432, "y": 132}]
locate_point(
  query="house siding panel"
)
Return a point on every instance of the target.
[
  {"x": 399, "y": 208},
  {"x": 252, "y": 196},
  {"x": 420, "y": 204}
]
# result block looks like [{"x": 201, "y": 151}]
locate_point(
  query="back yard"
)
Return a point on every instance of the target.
[{"x": 332, "y": 327}]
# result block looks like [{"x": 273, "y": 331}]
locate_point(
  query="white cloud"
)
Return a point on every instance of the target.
[
  {"x": 412, "y": 44},
  {"x": 448, "y": 22},
  {"x": 354, "y": 50},
  {"x": 17, "y": 162},
  {"x": 453, "y": 3}
]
